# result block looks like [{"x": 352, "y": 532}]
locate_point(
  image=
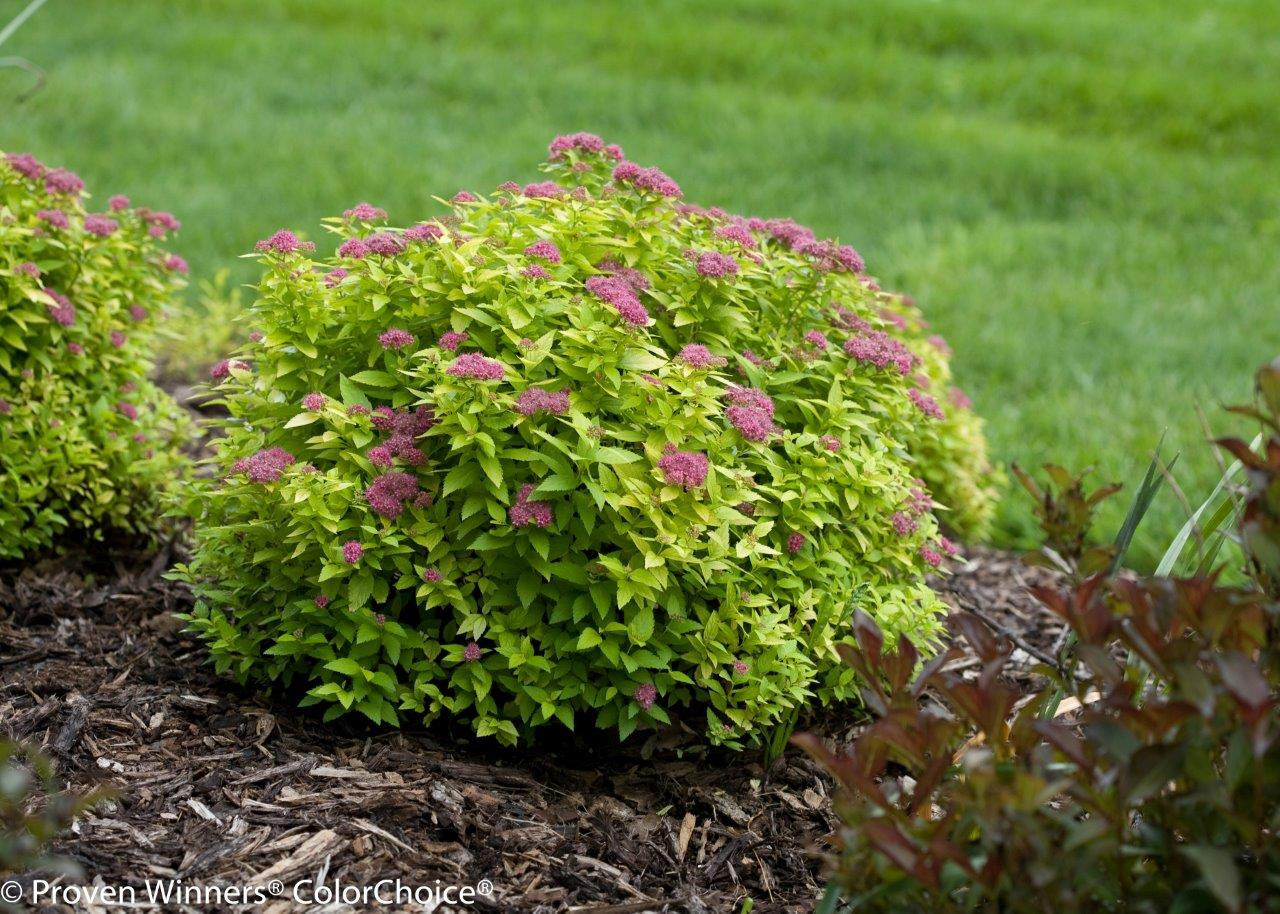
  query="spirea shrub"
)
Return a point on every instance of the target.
[
  {"x": 575, "y": 452},
  {"x": 86, "y": 440}
]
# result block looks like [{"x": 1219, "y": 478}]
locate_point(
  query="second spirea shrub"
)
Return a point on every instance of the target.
[
  {"x": 573, "y": 454},
  {"x": 87, "y": 441}
]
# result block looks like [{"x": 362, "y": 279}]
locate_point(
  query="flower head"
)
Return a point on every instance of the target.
[
  {"x": 880, "y": 350},
  {"x": 653, "y": 180},
  {"x": 62, "y": 181},
  {"x": 619, "y": 294},
  {"x": 353, "y": 247},
  {"x": 25, "y": 164},
  {"x": 29, "y": 268},
  {"x": 830, "y": 442},
  {"x": 795, "y": 542},
  {"x": 283, "y": 242},
  {"x": 335, "y": 276},
  {"x": 433, "y": 576},
  {"x": 395, "y": 338},
  {"x": 385, "y": 243},
  {"x": 714, "y": 265},
  {"x": 535, "y": 271},
  {"x": 352, "y": 552},
  {"x": 645, "y": 695},
  {"x": 471, "y": 653},
  {"x": 102, "y": 226},
  {"x": 266, "y": 465},
  {"x": 364, "y": 212},
  {"x": 75, "y": 348},
  {"x": 61, "y": 309},
  {"x": 55, "y": 217},
  {"x": 117, "y": 203},
  {"x": 451, "y": 340},
  {"x": 464, "y": 196},
  {"x": 903, "y": 524},
  {"x": 543, "y": 189},
  {"x": 926, "y": 404},
  {"x": 313, "y": 402},
  {"x": 424, "y": 231},
  {"x": 536, "y": 400},
  {"x": 695, "y": 355},
  {"x": 960, "y": 399},
  {"x": 525, "y": 512},
  {"x": 583, "y": 142},
  {"x": 175, "y": 264},
  {"x": 118, "y": 339},
  {"x": 738, "y": 232},
  {"x": 477, "y": 367},
  {"x": 687, "y": 469},
  {"x": 543, "y": 250},
  {"x": 388, "y": 493},
  {"x": 128, "y": 410}
]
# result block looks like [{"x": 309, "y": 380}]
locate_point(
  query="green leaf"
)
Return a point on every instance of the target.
[
  {"x": 615, "y": 456},
  {"x": 1219, "y": 870},
  {"x": 374, "y": 378},
  {"x": 640, "y": 626},
  {"x": 352, "y": 395}
]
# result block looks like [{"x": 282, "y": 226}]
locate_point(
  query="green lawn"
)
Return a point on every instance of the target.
[{"x": 1084, "y": 197}]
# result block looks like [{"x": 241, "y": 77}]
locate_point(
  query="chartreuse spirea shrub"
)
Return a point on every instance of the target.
[
  {"x": 574, "y": 453},
  {"x": 87, "y": 442}
]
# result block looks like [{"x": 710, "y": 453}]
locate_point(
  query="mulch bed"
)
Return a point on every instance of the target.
[{"x": 221, "y": 785}]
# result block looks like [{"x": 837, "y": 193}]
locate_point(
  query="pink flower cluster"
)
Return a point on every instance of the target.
[
  {"x": 223, "y": 368},
  {"x": 385, "y": 243},
  {"x": 525, "y": 512},
  {"x": 544, "y": 250},
  {"x": 471, "y": 653},
  {"x": 795, "y": 542},
  {"x": 645, "y": 695},
  {"x": 425, "y": 231},
  {"x": 634, "y": 278},
  {"x": 830, "y": 442},
  {"x": 176, "y": 264},
  {"x": 926, "y": 404},
  {"x": 62, "y": 181},
  {"x": 102, "y": 226},
  {"x": 313, "y": 402},
  {"x": 25, "y": 164},
  {"x": 354, "y": 248},
  {"x": 403, "y": 428},
  {"x": 960, "y": 399},
  {"x": 364, "y": 212},
  {"x": 543, "y": 189},
  {"x": 585, "y": 142},
  {"x": 128, "y": 410},
  {"x": 388, "y": 493},
  {"x": 452, "y": 340},
  {"x": 28, "y": 268},
  {"x": 714, "y": 265},
  {"x": 738, "y": 232},
  {"x": 536, "y": 400},
  {"x": 477, "y": 367},
  {"x": 920, "y": 501},
  {"x": 283, "y": 242},
  {"x": 463, "y": 196},
  {"x": 352, "y": 552},
  {"x": 335, "y": 276},
  {"x": 903, "y": 524},
  {"x": 118, "y": 339},
  {"x": 265, "y": 466},
  {"x": 535, "y": 271},
  {"x": 395, "y": 338},
  {"x": 751, "y": 413},
  {"x": 55, "y": 217},
  {"x": 849, "y": 320},
  {"x": 61, "y": 309},
  {"x": 832, "y": 257},
  {"x": 162, "y": 222},
  {"x": 650, "y": 179},
  {"x": 696, "y": 355},
  {"x": 881, "y": 350},
  {"x": 619, "y": 294},
  {"x": 687, "y": 469},
  {"x": 117, "y": 202}
]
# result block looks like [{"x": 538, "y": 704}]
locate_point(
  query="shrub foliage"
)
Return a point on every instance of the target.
[
  {"x": 1156, "y": 787},
  {"x": 86, "y": 440},
  {"x": 573, "y": 451}
]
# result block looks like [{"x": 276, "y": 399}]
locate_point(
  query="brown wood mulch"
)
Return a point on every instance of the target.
[{"x": 221, "y": 785}]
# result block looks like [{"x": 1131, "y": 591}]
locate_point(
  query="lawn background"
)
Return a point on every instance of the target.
[{"x": 1084, "y": 197}]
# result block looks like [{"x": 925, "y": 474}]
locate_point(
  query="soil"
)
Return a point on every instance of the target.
[{"x": 219, "y": 785}]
